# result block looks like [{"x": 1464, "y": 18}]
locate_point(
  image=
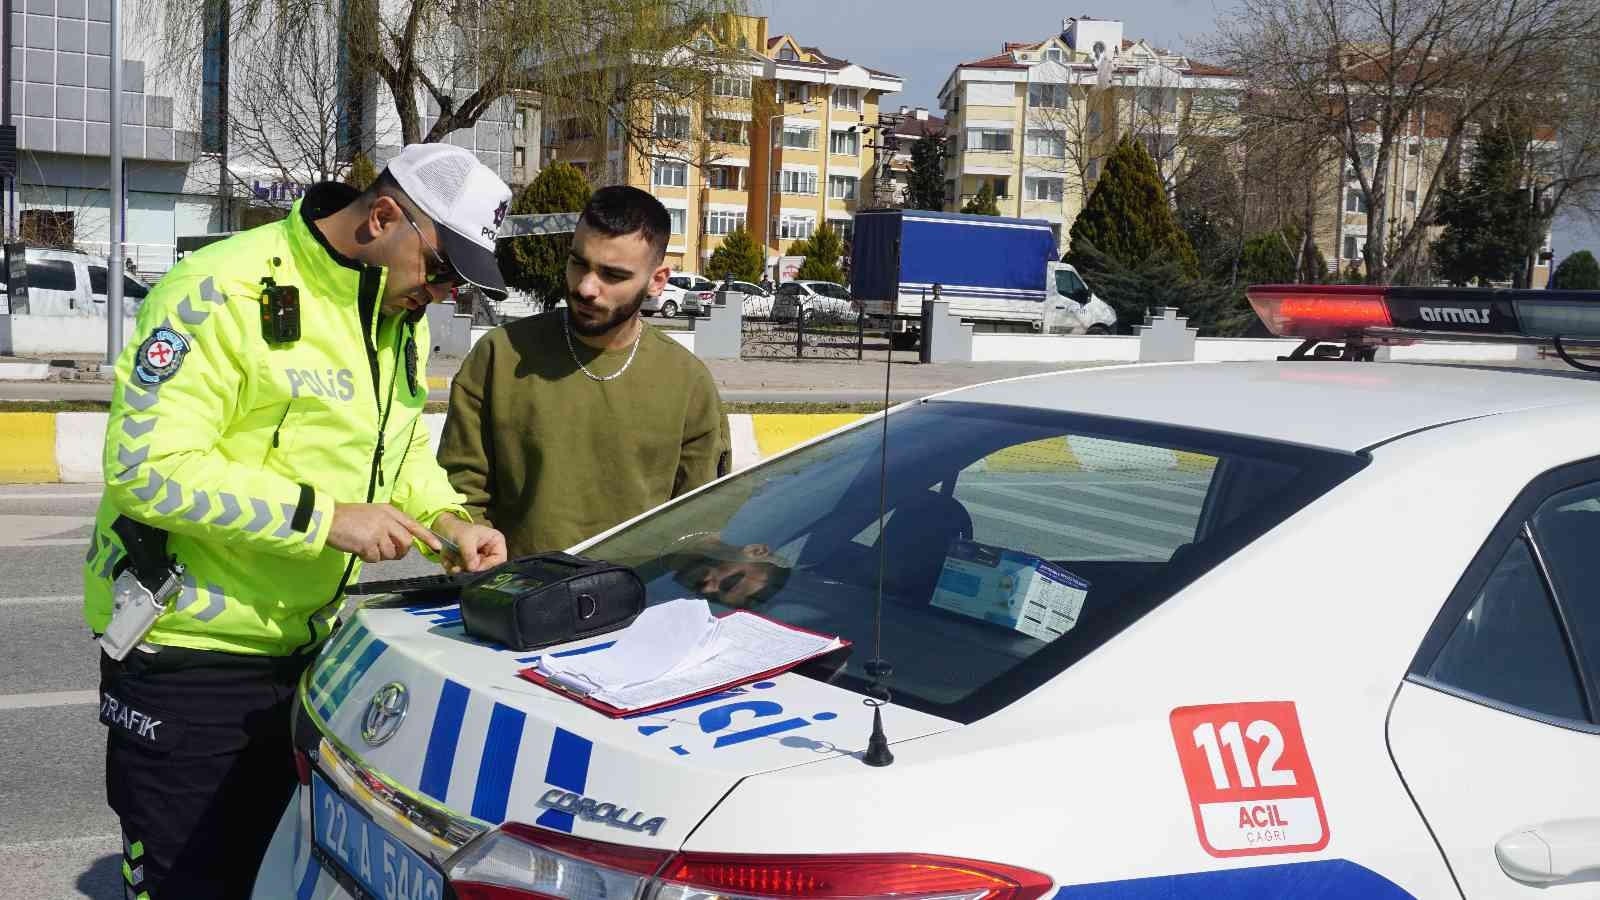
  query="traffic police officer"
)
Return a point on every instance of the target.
[{"x": 267, "y": 425}]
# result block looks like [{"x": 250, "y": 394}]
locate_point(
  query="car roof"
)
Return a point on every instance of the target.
[{"x": 1337, "y": 405}]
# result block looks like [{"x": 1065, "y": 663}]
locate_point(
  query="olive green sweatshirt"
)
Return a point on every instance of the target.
[{"x": 550, "y": 456}]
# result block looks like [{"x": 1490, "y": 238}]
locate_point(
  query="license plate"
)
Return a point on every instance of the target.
[{"x": 359, "y": 853}]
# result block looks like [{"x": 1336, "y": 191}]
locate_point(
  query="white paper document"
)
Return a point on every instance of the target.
[{"x": 664, "y": 658}]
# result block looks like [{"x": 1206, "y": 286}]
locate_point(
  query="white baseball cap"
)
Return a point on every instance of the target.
[{"x": 467, "y": 202}]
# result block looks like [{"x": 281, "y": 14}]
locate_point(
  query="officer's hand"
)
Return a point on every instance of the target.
[
  {"x": 482, "y": 547},
  {"x": 375, "y": 531}
]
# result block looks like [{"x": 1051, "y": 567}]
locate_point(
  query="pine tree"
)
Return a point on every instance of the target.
[
  {"x": 1127, "y": 218},
  {"x": 1485, "y": 217},
  {"x": 822, "y": 256},
  {"x": 1208, "y": 211},
  {"x": 361, "y": 174},
  {"x": 925, "y": 182},
  {"x": 539, "y": 264},
  {"x": 1578, "y": 272},
  {"x": 983, "y": 204},
  {"x": 1270, "y": 258},
  {"x": 737, "y": 258}
]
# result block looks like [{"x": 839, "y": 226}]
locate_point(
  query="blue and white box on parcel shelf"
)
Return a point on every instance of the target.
[{"x": 1018, "y": 590}]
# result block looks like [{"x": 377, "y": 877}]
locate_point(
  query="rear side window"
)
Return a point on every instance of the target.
[
  {"x": 1567, "y": 528},
  {"x": 1017, "y": 541},
  {"x": 133, "y": 290},
  {"x": 52, "y": 275},
  {"x": 1509, "y": 646},
  {"x": 97, "y": 280}
]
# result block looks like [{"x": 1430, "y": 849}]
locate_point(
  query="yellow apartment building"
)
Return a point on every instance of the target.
[{"x": 780, "y": 147}]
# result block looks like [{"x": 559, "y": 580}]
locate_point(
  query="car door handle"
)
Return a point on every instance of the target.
[{"x": 1551, "y": 852}]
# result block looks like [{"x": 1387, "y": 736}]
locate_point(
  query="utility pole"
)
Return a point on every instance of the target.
[
  {"x": 114, "y": 262},
  {"x": 8, "y": 131}
]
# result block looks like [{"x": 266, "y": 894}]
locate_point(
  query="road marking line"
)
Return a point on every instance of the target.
[
  {"x": 52, "y": 542},
  {"x": 42, "y": 600},
  {"x": 86, "y": 495},
  {"x": 48, "y": 699}
]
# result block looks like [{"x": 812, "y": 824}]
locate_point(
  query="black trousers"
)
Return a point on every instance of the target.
[{"x": 199, "y": 766}]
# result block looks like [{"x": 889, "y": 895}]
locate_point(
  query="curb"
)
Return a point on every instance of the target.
[{"x": 42, "y": 448}]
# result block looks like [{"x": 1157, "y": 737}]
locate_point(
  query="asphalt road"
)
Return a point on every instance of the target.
[{"x": 57, "y": 835}]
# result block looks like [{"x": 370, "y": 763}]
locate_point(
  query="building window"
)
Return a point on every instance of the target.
[
  {"x": 1094, "y": 122},
  {"x": 788, "y": 55},
  {"x": 1047, "y": 143},
  {"x": 1093, "y": 171},
  {"x": 1157, "y": 100},
  {"x": 950, "y": 192},
  {"x": 1355, "y": 202},
  {"x": 519, "y": 157},
  {"x": 989, "y": 140},
  {"x": 792, "y": 182},
  {"x": 725, "y": 178},
  {"x": 1411, "y": 197},
  {"x": 728, "y": 131},
  {"x": 842, "y": 187},
  {"x": 847, "y": 98},
  {"x": 1044, "y": 189},
  {"x": 1161, "y": 147},
  {"x": 797, "y": 138},
  {"x": 679, "y": 219},
  {"x": 794, "y": 92},
  {"x": 672, "y": 127},
  {"x": 724, "y": 221},
  {"x": 790, "y": 228},
  {"x": 1414, "y": 148},
  {"x": 1351, "y": 251},
  {"x": 1054, "y": 54},
  {"x": 671, "y": 173},
  {"x": 614, "y": 171},
  {"x": 845, "y": 143},
  {"x": 1049, "y": 96},
  {"x": 521, "y": 119},
  {"x": 214, "y": 86},
  {"x": 731, "y": 86}
]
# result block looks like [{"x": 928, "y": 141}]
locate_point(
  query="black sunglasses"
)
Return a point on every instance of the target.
[{"x": 439, "y": 270}]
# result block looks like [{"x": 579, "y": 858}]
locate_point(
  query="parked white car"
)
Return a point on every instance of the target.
[
  {"x": 822, "y": 301},
  {"x": 686, "y": 293},
  {"x": 755, "y": 301},
  {"x": 69, "y": 283},
  {"x": 1120, "y": 665}
]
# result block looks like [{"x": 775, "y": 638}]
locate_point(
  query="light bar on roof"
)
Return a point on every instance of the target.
[{"x": 1389, "y": 314}]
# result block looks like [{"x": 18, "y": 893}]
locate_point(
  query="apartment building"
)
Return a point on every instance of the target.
[
  {"x": 911, "y": 126},
  {"x": 781, "y": 146},
  {"x": 1034, "y": 122}
]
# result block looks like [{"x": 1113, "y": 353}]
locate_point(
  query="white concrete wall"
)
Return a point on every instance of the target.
[
  {"x": 1459, "y": 352},
  {"x": 1242, "y": 349},
  {"x": 48, "y": 335},
  {"x": 1054, "y": 348}
]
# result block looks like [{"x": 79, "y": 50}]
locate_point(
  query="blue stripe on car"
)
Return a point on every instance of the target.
[
  {"x": 567, "y": 769},
  {"x": 442, "y": 741},
  {"x": 499, "y": 763},
  {"x": 1323, "y": 879},
  {"x": 308, "y": 882},
  {"x": 336, "y": 695}
]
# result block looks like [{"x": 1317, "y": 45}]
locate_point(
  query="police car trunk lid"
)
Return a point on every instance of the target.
[{"x": 484, "y": 743}]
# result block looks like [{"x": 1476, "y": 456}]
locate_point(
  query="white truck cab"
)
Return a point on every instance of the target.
[{"x": 1074, "y": 307}]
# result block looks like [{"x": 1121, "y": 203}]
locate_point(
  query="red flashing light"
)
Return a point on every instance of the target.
[{"x": 1331, "y": 312}]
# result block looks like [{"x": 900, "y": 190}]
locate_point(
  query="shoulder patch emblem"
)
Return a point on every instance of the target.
[{"x": 160, "y": 356}]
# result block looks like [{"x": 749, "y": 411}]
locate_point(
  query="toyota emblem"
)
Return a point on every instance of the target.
[{"x": 385, "y": 712}]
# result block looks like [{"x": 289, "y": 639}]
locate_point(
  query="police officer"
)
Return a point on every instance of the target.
[{"x": 267, "y": 425}]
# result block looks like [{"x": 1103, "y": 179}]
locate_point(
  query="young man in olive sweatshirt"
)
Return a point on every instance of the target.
[{"x": 564, "y": 424}]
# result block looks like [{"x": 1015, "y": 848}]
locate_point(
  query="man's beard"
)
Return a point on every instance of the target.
[{"x": 617, "y": 317}]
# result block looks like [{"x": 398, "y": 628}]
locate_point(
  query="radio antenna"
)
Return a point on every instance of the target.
[{"x": 878, "y": 668}]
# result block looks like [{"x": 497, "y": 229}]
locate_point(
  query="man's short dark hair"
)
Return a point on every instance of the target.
[{"x": 620, "y": 210}]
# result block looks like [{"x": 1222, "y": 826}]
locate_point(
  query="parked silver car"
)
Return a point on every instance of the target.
[
  {"x": 755, "y": 301},
  {"x": 685, "y": 293},
  {"x": 823, "y": 301}
]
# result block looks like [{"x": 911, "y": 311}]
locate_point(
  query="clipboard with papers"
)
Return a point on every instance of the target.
[{"x": 679, "y": 655}]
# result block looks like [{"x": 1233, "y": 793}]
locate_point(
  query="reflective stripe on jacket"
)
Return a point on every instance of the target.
[{"x": 239, "y": 448}]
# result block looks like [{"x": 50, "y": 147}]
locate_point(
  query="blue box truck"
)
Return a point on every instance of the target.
[{"x": 1000, "y": 274}]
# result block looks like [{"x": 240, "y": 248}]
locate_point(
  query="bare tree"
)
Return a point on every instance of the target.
[
  {"x": 1371, "y": 75},
  {"x": 284, "y": 104}
]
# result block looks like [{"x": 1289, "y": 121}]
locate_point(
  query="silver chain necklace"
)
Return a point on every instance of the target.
[{"x": 566, "y": 329}]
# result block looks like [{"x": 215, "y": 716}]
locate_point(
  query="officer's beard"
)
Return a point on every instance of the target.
[{"x": 591, "y": 328}]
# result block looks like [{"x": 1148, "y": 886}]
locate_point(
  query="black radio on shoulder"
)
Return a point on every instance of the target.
[{"x": 280, "y": 312}]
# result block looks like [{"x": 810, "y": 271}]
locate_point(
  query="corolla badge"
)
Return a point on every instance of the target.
[{"x": 385, "y": 713}]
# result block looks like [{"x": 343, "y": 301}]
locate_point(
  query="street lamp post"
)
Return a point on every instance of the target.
[{"x": 772, "y": 187}]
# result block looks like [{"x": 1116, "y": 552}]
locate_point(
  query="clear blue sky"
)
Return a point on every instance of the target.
[{"x": 922, "y": 40}]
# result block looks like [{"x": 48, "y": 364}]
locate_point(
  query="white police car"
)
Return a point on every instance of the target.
[{"x": 1306, "y": 629}]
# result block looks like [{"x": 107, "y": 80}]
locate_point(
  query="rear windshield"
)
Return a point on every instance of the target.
[{"x": 1016, "y": 541}]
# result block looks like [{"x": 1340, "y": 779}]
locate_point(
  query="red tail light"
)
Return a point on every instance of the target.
[
  {"x": 518, "y": 862},
  {"x": 302, "y": 766},
  {"x": 900, "y": 875}
]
